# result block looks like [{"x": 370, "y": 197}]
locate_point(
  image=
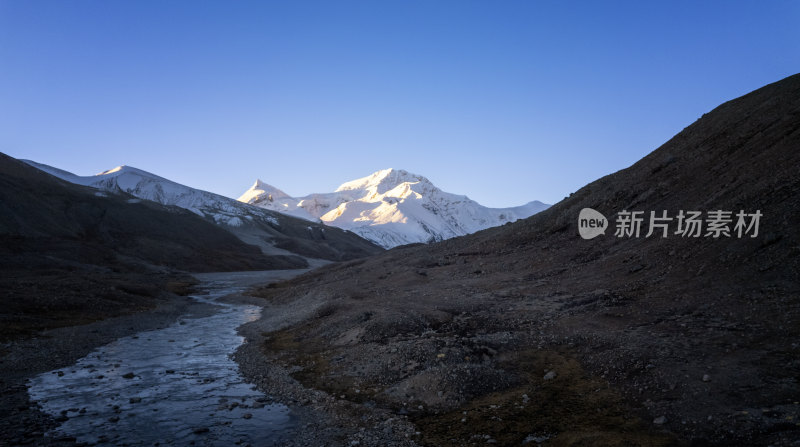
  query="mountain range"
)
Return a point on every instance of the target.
[
  {"x": 275, "y": 233},
  {"x": 391, "y": 207}
]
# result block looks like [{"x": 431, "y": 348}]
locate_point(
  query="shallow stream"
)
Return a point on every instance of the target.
[{"x": 171, "y": 386}]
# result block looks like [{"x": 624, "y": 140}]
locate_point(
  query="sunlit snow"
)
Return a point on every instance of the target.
[{"x": 391, "y": 207}]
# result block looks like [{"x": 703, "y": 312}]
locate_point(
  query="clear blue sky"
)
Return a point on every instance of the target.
[{"x": 505, "y": 101}]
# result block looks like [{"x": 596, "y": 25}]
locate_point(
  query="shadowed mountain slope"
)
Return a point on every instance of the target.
[
  {"x": 62, "y": 219},
  {"x": 71, "y": 254},
  {"x": 650, "y": 340}
]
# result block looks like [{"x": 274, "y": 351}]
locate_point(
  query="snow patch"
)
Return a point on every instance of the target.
[{"x": 235, "y": 222}]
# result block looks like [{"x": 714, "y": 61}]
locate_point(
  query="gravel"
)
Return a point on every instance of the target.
[{"x": 322, "y": 419}]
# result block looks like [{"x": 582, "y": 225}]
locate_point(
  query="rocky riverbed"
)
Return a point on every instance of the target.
[
  {"x": 171, "y": 386},
  {"x": 143, "y": 378}
]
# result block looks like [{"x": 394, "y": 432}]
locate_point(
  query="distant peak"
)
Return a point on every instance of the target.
[
  {"x": 383, "y": 180},
  {"x": 119, "y": 168},
  {"x": 135, "y": 172},
  {"x": 262, "y": 187},
  {"x": 394, "y": 173},
  {"x": 125, "y": 169}
]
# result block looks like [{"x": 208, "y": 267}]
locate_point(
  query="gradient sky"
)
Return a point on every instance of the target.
[{"x": 504, "y": 101}]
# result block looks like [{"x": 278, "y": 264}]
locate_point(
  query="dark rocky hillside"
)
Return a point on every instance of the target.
[
  {"x": 47, "y": 217},
  {"x": 527, "y": 331},
  {"x": 69, "y": 255}
]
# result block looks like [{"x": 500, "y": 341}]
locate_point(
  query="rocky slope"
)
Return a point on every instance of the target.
[
  {"x": 529, "y": 333},
  {"x": 275, "y": 233},
  {"x": 71, "y": 254},
  {"x": 391, "y": 207}
]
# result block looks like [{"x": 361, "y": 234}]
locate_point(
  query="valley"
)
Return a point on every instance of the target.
[
  {"x": 399, "y": 223},
  {"x": 521, "y": 333}
]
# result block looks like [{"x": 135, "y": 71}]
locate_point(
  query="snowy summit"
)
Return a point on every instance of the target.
[{"x": 391, "y": 207}]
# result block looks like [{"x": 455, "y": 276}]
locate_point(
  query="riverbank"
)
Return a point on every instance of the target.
[
  {"x": 24, "y": 356},
  {"x": 21, "y": 422},
  {"x": 323, "y": 418}
]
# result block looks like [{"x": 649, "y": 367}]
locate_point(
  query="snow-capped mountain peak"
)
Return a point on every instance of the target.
[
  {"x": 112, "y": 171},
  {"x": 393, "y": 207},
  {"x": 264, "y": 195},
  {"x": 146, "y": 185},
  {"x": 127, "y": 170},
  {"x": 382, "y": 181},
  {"x": 263, "y": 190}
]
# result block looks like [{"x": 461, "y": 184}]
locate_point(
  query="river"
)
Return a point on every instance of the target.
[{"x": 171, "y": 386}]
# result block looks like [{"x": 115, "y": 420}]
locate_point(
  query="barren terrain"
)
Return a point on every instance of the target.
[{"x": 527, "y": 333}]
